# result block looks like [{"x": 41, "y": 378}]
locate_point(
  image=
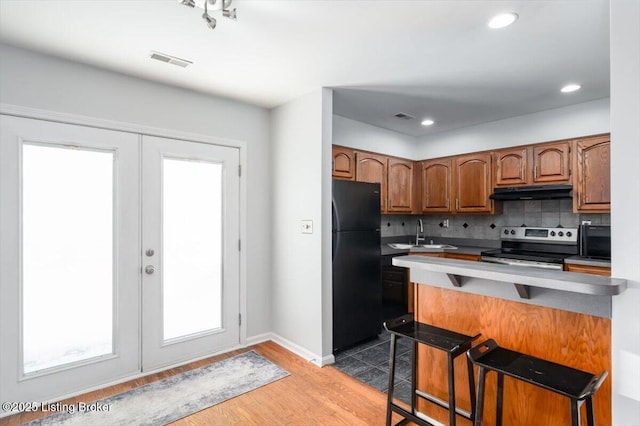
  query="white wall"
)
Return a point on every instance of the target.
[
  {"x": 28, "y": 79},
  {"x": 583, "y": 119},
  {"x": 625, "y": 208},
  {"x": 327, "y": 235},
  {"x": 355, "y": 134},
  {"x": 297, "y": 141}
]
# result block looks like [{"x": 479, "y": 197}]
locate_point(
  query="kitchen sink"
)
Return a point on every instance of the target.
[
  {"x": 400, "y": 246},
  {"x": 438, "y": 246}
]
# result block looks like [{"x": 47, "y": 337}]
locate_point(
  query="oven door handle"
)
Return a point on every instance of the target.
[
  {"x": 497, "y": 260},
  {"x": 502, "y": 261}
]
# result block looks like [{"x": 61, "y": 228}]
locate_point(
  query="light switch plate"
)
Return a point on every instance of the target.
[{"x": 307, "y": 226}]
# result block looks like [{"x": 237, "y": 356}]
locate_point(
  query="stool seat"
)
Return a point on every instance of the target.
[
  {"x": 436, "y": 337},
  {"x": 454, "y": 344},
  {"x": 567, "y": 381}
]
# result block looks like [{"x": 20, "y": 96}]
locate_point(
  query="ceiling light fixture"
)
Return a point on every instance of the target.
[
  {"x": 427, "y": 122},
  {"x": 214, "y": 6},
  {"x": 503, "y": 20},
  {"x": 570, "y": 88}
]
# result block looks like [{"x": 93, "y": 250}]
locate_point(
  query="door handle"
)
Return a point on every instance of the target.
[{"x": 149, "y": 269}]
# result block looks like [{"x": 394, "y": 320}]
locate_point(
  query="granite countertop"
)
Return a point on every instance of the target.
[
  {"x": 464, "y": 246},
  {"x": 470, "y": 246},
  {"x": 558, "y": 280},
  {"x": 474, "y": 250}
]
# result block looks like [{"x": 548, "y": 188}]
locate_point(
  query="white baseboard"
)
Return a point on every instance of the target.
[
  {"x": 260, "y": 338},
  {"x": 292, "y": 347}
]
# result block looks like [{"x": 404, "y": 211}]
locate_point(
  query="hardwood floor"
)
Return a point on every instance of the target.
[{"x": 309, "y": 396}]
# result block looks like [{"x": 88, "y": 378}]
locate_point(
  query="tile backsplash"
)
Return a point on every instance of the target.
[{"x": 547, "y": 213}]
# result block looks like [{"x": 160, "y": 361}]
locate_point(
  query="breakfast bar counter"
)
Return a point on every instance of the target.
[
  {"x": 571, "y": 291},
  {"x": 563, "y": 317}
]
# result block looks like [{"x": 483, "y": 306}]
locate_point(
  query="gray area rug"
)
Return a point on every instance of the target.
[{"x": 170, "y": 399}]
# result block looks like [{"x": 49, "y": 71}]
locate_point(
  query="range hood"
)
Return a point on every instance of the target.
[{"x": 540, "y": 192}]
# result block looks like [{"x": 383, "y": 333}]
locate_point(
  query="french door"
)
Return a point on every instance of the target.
[
  {"x": 190, "y": 250},
  {"x": 119, "y": 254}
]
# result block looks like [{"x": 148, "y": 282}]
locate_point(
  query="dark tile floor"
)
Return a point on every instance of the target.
[{"x": 369, "y": 363}]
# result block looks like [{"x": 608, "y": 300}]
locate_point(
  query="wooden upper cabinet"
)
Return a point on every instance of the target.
[
  {"x": 344, "y": 163},
  {"x": 400, "y": 185},
  {"x": 435, "y": 185},
  {"x": 533, "y": 165},
  {"x": 373, "y": 168},
  {"x": 472, "y": 183},
  {"x": 511, "y": 166},
  {"x": 551, "y": 163},
  {"x": 592, "y": 181}
]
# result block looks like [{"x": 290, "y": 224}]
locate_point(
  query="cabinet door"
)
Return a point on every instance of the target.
[
  {"x": 343, "y": 163},
  {"x": 373, "y": 168},
  {"x": 435, "y": 182},
  {"x": 459, "y": 256},
  {"x": 551, "y": 163},
  {"x": 473, "y": 183},
  {"x": 511, "y": 167},
  {"x": 592, "y": 183},
  {"x": 400, "y": 185},
  {"x": 587, "y": 269}
]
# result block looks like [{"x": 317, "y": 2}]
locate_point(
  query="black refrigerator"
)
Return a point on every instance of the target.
[{"x": 357, "y": 290}]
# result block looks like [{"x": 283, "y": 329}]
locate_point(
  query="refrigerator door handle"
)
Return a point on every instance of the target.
[{"x": 336, "y": 243}]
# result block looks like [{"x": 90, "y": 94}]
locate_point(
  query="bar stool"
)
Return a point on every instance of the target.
[
  {"x": 454, "y": 344},
  {"x": 579, "y": 386}
]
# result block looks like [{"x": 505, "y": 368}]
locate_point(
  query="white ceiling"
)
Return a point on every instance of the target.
[{"x": 425, "y": 58}]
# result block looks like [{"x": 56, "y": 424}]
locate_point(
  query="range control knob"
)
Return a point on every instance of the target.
[
  {"x": 553, "y": 233},
  {"x": 569, "y": 233},
  {"x": 560, "y": 234},
  {"x": 506, "y": 232},
  {"x": 513, "y": 232}
]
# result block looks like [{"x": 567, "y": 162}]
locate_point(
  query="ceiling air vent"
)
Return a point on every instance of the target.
[
  {"x": 403, "y": 116},
  {"x": 163, "y": 57}
]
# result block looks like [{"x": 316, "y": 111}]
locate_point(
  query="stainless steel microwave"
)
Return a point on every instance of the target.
[{"x": 595, "y": 241}]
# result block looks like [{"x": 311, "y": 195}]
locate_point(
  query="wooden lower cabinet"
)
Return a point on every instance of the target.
[
  {"x": 588, "y": 269},
  {"x": 462, "y": 256},
  {"x": 449, "y": 255},
  {"x": 577, "y": 340}
]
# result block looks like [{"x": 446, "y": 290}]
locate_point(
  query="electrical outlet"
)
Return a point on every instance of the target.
[
  {"x": 306, "y": 226},
  {"x": 445, "y": 223}
]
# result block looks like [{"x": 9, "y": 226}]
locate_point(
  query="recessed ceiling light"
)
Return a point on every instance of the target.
[
  {"x": 503, "y": 20},
  {"x": 570, "y": 88},
  {"x": 427, "y": 122}
]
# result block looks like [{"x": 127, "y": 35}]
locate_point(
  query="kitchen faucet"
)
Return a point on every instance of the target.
[{"x": 419, "y": 229}]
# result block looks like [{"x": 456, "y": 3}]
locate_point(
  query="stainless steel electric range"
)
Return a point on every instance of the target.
[{"x": 534, "y": 247}]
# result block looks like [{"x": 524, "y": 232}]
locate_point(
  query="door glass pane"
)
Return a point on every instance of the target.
[
  {"x": 192, "y": 247},
  {"x": 67, "y": 257}
]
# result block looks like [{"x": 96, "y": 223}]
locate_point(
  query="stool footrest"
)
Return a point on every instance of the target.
[
  {"x": 442, "y": 403},
  {"x": 408, "y": 416}
]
